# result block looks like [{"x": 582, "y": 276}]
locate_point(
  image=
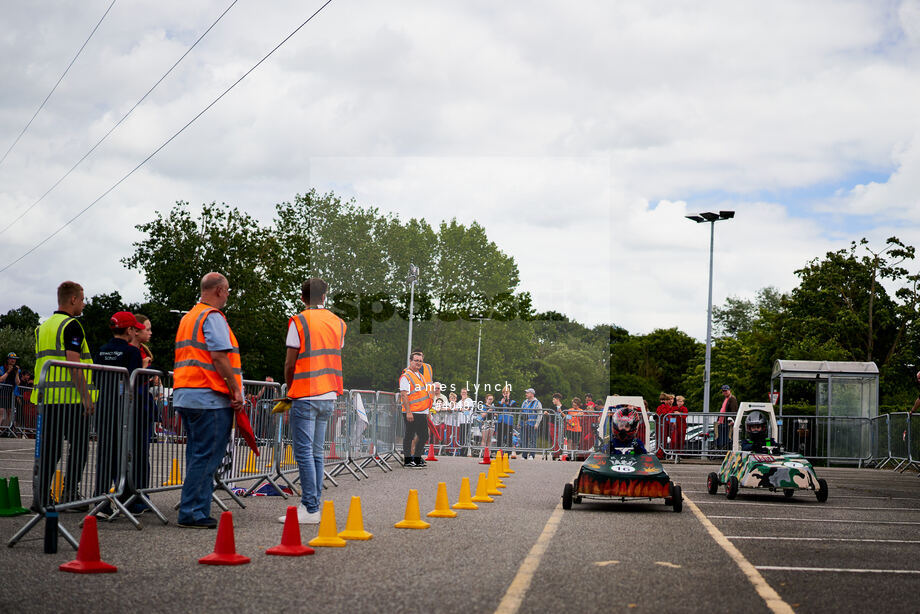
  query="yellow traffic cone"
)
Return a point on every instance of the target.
[
  {"x": 288, "y": 456},
  {"x": 354, "y": 526},
  {"x": 412, "y": 518},
  {"x": 502, "y": 463},
  {"x": 328, "y": 533},
  {"x": 441, "y": 504},
  {"x": 507, "y": 465},
  {"x": 465, "y": 502},
  {"x": 271, "y": 457},
  {"x": 482, "y": 494},
  {"x": 492, "y": 482},
  {"x": 175, "y": 476},
  {"x": 250, "y": 464},
  {"x": 57, "y": 486}
]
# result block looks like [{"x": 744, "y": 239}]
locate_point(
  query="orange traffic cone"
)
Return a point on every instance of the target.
[
  {"x": 506, "y": 465},
  {"x": 88, "y": 560},
  {"x": 328, "y": 535},
  {"x": 291, "y": 544},
  {"x": 482, "y": 488},
  {"x": 412, "y": 518},
  {"x": 465, "y": 502},
  {"x": 431, "y": 456},
  {"x": 288, "y": 456},
  {"x": 492, "y": 483},
  {"x": 175, "y": 476},
  {"x": 354, "y": 526},
  {"x": 441, "y": 504},
  {"x": 225, "y": 546},
  {"x": 486, "y": 457}
]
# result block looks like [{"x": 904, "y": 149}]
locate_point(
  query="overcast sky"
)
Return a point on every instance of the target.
[{"x": 579, "y": 134}]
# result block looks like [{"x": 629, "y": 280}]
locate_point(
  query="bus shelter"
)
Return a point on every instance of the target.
[{"x": 846, "y": 403}]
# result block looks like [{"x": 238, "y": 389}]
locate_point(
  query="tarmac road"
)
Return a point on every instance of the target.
[{"x": 602, "y": 556}]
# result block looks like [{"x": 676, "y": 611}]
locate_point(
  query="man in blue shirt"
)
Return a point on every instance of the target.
[{"x": 531, "y": 415}]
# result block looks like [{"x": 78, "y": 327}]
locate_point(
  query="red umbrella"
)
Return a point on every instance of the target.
[{"x": 244, "y": 428}]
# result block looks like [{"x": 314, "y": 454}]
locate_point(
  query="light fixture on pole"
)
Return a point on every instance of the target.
[
  {"x": 711, "y": 218},
  {"x": 478, "y": 349},
  {"x": 411, "y": 279}
]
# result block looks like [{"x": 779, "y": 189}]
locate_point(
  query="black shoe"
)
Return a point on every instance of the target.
[
  {"x": 204, "y": 523},
  {"x": 420, "y": 462}
]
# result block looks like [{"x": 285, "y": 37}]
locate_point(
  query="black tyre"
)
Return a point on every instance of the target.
[
  {"x": 712, "y": 483},
  {"x": 731, "y": 487},
  {"x": 677, "y": 499},
  {"x": 821, "y": 493},
  {"x": 567, "y": 497},
  {"x": 788, "y": 492}
]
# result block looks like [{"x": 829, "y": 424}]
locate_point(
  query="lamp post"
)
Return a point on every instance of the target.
[
  {"x": 411, "y": 279},
  {"x": 711, "y": 218},
  {"x": 478, "y": 349}
]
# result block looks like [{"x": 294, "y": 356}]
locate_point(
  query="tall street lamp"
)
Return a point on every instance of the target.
[
  {"x": 411, "y": 279},
  {"x": 711, "y": 218},
  {"x": 478, "y": 349}
]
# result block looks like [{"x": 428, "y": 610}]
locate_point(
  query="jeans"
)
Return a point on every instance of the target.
[
  {"x": 308, "y": 429},
  {"x": 208, "y": 431},
  {"x": 528, "y": 439}
]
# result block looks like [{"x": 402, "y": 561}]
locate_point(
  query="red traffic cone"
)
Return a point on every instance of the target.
[
  {"x": 486, "y": 458},
  {"x": 291, "y": 545},
  {"x": 431, "y": 456},
  {"x": 225, "y": 547},
  {"x": 88, "y": 560}
]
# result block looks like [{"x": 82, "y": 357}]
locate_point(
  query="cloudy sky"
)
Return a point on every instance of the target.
[{"x": 579, "y": 134}]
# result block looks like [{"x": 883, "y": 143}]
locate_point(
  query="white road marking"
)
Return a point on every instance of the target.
[
  {"x": 837, "y": 495},
  {"x": 514, "y": 596},
  {"x": 787, "y": 519},
  {"x": 827, "y": 539},
  {"x": 837, "y": 569},
  {"x": 667, "y": 564},
  {"x": 606, "y": 563},
  {"x": 774, "y": 602},
  {"x": 781, "y": 502}
]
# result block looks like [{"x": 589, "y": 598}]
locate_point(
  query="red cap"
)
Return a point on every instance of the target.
[{"x": 125, "y": 319}]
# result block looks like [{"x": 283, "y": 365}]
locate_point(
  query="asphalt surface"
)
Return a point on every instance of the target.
[{"x": 629, "y": 557}]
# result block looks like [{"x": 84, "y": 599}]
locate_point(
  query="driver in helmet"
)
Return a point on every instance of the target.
[
  {"x": 755, "y": 429},
  {"x": 624, "y": 426}
]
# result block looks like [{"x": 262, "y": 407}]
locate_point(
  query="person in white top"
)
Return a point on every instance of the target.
[
  {"x": 438, "y": 412},
  {"x": 466, "y": 406}
]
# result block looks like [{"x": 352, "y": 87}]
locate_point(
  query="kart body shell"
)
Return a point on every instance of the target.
[{"x": 621, "y": 477}]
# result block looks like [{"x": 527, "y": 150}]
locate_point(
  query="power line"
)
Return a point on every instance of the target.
[
  {"x": 118, "y": 123},
  {"x": 166, "y": 142},
  {"x": 41, "y": 106}
]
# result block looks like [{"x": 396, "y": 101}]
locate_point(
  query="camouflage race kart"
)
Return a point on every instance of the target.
[
  {"x": 770, "y": 469},
  {"x": 621, "y": 477}
]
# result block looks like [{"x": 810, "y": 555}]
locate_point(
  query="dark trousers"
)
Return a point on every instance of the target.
[
  {"x": 417, "y": 428},
  {"x": 504, "y": 434},
  {"x": 108, "y": 435},
  {"x": 57, "y": 422}
]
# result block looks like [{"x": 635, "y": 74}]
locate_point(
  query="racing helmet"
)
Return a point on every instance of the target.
[
  {"x": 756, "y": 425},
  {"x": 625, "y": 423}
]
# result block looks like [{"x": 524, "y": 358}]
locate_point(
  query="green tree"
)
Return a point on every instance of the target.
[{"x": 20, "y": 318}]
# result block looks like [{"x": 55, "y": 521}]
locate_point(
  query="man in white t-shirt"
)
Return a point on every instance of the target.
[{"x": 415, "y": 400}]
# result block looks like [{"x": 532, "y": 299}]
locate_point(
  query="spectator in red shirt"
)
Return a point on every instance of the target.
[{"x": 678, "y": 424}]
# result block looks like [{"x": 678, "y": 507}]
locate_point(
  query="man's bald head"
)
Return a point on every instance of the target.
[{"x": 215, "y": 290}]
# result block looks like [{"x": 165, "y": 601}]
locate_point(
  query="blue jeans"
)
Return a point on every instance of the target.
[
  {"x": 308, "y": 430},
  {"x": 208, "y": 431}
]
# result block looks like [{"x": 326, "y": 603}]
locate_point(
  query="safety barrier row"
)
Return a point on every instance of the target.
[{"x": 17, "y": 412}]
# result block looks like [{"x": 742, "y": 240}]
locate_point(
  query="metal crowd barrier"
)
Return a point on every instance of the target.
[
  {"x": 391, "y": 427},
  {"x": 80, "y": 452},
  {"x": 19, "y": 413}
]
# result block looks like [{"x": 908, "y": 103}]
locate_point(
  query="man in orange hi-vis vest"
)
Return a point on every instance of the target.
[
  {"x": 208, "y": 388},
  {"x": 415, "y": 398},
  {"x": 313, "y": 373}
]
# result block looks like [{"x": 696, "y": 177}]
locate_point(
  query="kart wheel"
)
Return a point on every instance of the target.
[
  {"x": 731, "y": 487},
  {"x": 821, "y": 493},
  {"x": 788, "y": 492},
  {"x": 712, "y": 483},
  {"x": 567, "y": 497},
  {"x": 677, "y": 499}
]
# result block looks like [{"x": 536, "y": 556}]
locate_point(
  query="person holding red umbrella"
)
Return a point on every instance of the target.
[{"x": 208, "y": 389}]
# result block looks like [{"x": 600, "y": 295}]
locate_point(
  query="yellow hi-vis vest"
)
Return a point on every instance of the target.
[
  {"x": 58, "y": 386},
  {"x": 419, "y": 397},
  {"x": 318, "y": 369}
]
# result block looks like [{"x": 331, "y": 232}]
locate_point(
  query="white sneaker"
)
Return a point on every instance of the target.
[{"x": 303, "y": 516}]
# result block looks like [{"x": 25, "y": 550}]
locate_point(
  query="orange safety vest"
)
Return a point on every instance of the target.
[
  {"x": 318, "y": 369},
  {"x": 194, "y": 367},
  {"x": 427, "y": 373},
  {"x": 571, "y": 422},
  {"x": 419, "y": 398}
]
